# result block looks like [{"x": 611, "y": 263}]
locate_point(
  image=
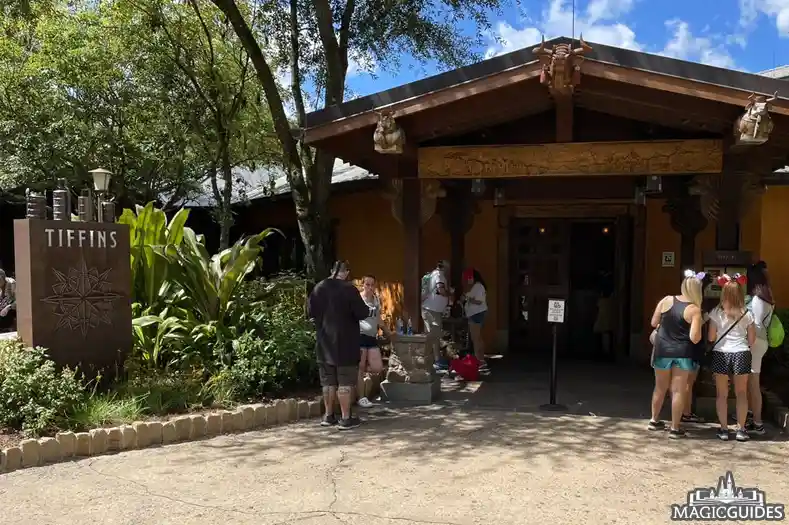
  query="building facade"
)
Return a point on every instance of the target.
[{"x": 576, "y": 171}]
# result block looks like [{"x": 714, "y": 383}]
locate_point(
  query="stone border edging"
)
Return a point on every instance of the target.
[
  {"x": 773, "y": 405},
  {"x": 67, "y": 446}
]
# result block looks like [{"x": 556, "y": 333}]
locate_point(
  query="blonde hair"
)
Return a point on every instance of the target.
[
  {"x": 733, "y": 295},
  {"x": 691, "y": 288}
]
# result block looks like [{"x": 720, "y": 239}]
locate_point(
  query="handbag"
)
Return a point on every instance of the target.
[{"x": 775, "y": 331}]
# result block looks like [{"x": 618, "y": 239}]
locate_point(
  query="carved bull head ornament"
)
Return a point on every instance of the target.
[{"x": 561, "y": 66}]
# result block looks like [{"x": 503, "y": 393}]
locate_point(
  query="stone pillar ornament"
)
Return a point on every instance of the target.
[
  {"x": 388, "y": 137},
  {"x": 36, "y": 205},
  {"x": 411, "y": 376},
  {"x": 754, "y": 126}
]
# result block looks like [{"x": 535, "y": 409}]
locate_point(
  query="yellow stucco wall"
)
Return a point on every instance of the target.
[
  {"x": 372, "y": 240},
  {"x": 774, "y": 248}
]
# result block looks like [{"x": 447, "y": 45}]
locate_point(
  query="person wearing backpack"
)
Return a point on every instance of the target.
[
  {"x": 733, "y": 334},
  {"x": 762, "y": 307},
  {"x": 435, "y": 299}
]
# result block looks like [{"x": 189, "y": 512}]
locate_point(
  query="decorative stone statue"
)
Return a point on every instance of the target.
[
  {"x": 388, "y": 137},
  {"x": 411, "y": 360},
  {"x": 755, "y": 125},
  {"x": 561, "y": 66}
]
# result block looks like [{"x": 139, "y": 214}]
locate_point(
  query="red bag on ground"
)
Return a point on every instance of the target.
[{"x": 467, "y": 367}]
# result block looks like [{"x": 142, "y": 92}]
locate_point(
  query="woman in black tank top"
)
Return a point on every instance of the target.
[{"x": 675, "y": 355}]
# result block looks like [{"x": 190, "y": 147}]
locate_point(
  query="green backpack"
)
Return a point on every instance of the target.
[{"x": 775, "y": 331}]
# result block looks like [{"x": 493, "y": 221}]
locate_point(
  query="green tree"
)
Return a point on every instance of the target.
[
  {"x": 74, "y": 97},
  {"x": 316, "y": 40},
  {"x": 204, "y": 59}
]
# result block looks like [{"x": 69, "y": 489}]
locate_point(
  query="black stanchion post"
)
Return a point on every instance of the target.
[{"x": 555, "y": 317}]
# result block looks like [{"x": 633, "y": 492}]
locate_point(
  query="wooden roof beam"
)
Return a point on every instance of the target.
[
  {"x": 423, "y": 102},
  {"x": 678, "y": 85}
]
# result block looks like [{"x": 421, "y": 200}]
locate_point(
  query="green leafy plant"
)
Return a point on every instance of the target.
[
  {"x": 210, "y": 282},
  {"x": 149, "y": 229},
  {"x": 34, "y": 395}
]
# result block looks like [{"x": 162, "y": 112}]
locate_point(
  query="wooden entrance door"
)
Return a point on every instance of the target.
[{"x": 540, "y": 251}]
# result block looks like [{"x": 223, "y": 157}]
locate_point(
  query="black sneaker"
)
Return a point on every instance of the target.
[
  {"x": 676, "y": 433},
  {"x": 723, "y": 434},
  {"x": 328, "y": 420},
  {"x": 753, "y": 428},
  {"x": 656, "y": 425},
  {"x": 348, "y": 424},
  {"x": 692, "y": 418},
  {"x": 742, "y": 435}
]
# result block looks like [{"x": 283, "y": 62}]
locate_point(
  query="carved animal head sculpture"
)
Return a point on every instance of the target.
[
  {"x": 755, "y": 125},
  {"x": 388, "y": 137},
  {"x": 561, "y": 69}
]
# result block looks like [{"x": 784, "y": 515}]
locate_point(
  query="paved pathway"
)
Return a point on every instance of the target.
[{"x": 439, "y": 465}]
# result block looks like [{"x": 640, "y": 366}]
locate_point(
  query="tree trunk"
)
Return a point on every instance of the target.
[{"x": 225, "y": 206}]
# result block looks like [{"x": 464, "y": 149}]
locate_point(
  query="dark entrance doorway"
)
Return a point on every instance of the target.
[{"x": 586, "y": 263}]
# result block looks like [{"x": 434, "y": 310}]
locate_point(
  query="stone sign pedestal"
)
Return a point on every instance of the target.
[
  {"x": 411, "y": 377},
  {"x": 74, "y": 291}
]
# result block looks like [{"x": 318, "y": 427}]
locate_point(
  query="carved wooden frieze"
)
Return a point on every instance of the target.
[
  {"x": 594, "y": 158},
  {"x": 755, "y": 125},
  {"x": 388, "y": 137},
  {"x": 561, "y": 66},
  {"x": 431, "y": 191}
]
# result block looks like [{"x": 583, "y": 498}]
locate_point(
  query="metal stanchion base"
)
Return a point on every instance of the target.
[{"x": 553, "y": 407}]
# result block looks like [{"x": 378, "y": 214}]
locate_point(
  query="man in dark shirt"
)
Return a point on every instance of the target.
[{"x": 336, "y": 307}]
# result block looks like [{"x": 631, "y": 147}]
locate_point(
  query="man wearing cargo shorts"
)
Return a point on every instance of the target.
[{"x": 336, "y": 307}]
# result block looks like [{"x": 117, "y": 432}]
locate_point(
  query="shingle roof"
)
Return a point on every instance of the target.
[
  {"x": 613, "y": 55},
  {"x": 268, "y": 182}
]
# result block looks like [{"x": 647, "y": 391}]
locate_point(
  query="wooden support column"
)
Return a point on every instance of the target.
[
  {"x": 637, "y": 277},
  {"x": 564, "y": 117},
  {"x": 457, "y": 213},
  {"x": 505, "y": 288},
  {"x": 411, "y": 254},
  {"x": 686, "y": 219}
]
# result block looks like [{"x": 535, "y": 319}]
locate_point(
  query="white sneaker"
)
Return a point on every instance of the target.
[{"x": 365, "y": 403}]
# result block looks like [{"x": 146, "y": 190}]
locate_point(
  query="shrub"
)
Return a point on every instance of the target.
[
  {"x": 278, "y": 352},
  {"x": 34, "y": 395}
]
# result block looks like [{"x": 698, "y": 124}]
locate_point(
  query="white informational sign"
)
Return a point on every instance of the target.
[
  {"x": 668, "y": 260},
  {"x": 555, "y": 310}
]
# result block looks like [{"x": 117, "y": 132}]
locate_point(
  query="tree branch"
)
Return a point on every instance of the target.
[
  {"x": 295, "y": 69},
  {"x": 335, "y": 81},
  {"x": 266, "y": 78}
]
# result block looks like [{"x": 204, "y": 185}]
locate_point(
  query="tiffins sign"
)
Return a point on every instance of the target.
[{"x": 74, "y": 290}]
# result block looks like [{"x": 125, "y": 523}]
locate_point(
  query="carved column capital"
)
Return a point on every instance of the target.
[{"x": 431, "y": 191}]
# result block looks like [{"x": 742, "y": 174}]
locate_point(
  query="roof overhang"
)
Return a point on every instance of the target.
[{"x": 507, "y": 87}]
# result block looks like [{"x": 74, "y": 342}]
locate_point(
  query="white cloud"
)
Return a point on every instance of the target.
[
  {"x": 774, "y": 9},
  {"x": 597, "y": 23},
  {"x": 686, "y": 46},
  {"x": 601, "y": 22}
]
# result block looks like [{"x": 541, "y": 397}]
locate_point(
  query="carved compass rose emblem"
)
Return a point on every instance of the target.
[{"x": 81, "y": 298}]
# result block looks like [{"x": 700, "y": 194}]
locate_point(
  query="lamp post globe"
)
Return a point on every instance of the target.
[{"x": 101, "y": 179}]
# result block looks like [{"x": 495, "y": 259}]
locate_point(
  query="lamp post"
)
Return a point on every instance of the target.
[{"x": 101, "y": 183}]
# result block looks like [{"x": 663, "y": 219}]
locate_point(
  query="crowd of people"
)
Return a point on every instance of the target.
[
  {"x": 732, "y": 346},
  {"x": 348, "y": 321}
]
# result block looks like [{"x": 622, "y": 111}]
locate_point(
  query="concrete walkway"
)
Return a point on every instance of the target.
[{"x": 433, "y": 465}]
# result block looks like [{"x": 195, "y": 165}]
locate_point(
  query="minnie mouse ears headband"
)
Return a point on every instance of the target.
[
  {"x": 690, "y": 273},
  {"x": 739, "y": 278}
]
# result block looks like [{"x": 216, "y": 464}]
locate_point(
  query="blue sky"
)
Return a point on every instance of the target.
[{"x": 751, "y": 35}]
